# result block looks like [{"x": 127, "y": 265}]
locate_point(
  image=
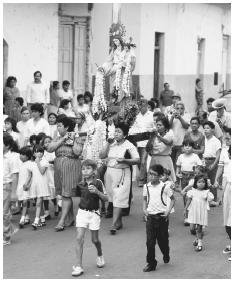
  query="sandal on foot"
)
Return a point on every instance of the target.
[
  {"x": 59, "y": 228},
  {"x": 21, "y": 225},
  {"x": 195, "y": 242},
  {"x": 198, "y": 248},
  {"x": 113, "y": 231},
  {"x": 27, "y": 221},
  {"x": 36, "y": 225}
]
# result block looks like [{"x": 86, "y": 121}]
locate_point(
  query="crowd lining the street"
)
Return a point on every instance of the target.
[{"x": 55, "y": 149}]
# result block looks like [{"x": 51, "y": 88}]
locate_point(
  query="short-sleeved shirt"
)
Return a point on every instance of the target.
[
  {"x": 153, "y": 194},
  {"x": 65, "y": 94},
  {"x": 90, "y": 201},
  {"x": 178, "y": 129},
  {"x": 159, "y": 147},
  {"x": 187, "y": 162},
  {"x": 119, "y": 151},
  {"x": 225, "y": 161},
  {"x": 166, "y": 97},
  {"x": 212, "y": 145},
  {"x": 41, "y": 126}
]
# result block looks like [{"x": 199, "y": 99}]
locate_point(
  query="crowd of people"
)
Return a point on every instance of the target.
[{"x": 55, "y": 149}]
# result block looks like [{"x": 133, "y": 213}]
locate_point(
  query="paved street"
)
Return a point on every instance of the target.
[{"x": 47, "y": 254}]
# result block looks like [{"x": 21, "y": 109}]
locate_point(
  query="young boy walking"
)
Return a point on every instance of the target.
[
  {"x": 91, "y": 191},
  {"x": 156, "y": 211}
]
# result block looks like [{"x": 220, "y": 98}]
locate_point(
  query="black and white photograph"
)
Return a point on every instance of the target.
[{"x": 116, "y": 140}]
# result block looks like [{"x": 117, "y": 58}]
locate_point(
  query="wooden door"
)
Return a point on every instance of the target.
[
  {"x": 72, "y": 52},
  {"x": 66, "y": 53},
  {"x": 79, "y": 58}
]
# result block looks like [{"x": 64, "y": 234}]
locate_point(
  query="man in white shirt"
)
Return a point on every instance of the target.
[
  {"x": 37, "y": 91},
  {"x": 144, "y": 123},
  {"x": 211, "y": 154},
  {"x": 220, "y": 115}
]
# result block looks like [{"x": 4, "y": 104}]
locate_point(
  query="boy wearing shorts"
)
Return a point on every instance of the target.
[{"x": 91, "y": 191}]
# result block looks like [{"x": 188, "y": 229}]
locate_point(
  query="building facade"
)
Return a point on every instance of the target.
[{"x": 176, "y": 43}]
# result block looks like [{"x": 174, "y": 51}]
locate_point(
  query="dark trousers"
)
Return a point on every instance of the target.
[
  {"x": 228, "y": 231},
  {"x": 142, "y": 166},
  {"x": 156, "y": 229},
  {"x": 211, "y": 175}
]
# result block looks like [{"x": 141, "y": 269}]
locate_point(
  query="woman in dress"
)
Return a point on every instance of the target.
[
  {"x": 120, "y": 154},
  {"x": 10, "y": 93},
  {"x": 67, "y": 168},
  {"x": 160, "y": 144}
]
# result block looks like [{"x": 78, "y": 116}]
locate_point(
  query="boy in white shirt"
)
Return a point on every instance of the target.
[
  {"x": 211, "y": 154},
  {"x": 156, "y": 210},
  {"x": 65, "y": 92}
]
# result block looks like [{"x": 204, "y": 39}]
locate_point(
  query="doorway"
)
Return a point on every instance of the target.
[
  {"x": 158, "y": 63},
  {"x": 72, "y": 52}
]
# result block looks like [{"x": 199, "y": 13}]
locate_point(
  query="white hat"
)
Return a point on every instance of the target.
[
  {"x": 219, "y": 103},
  {"x": 176, "y": 95}
]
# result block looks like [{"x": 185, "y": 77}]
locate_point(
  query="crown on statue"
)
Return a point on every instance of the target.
[{"x": 117, "y": 31}]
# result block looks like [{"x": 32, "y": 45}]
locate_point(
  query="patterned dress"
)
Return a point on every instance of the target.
[{"x": 67, "y": 168}]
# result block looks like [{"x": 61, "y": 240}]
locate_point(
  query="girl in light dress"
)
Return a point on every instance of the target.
[
  {"x": 39, "y": 187},
  {"x": 198, "y": 206},
  {"x": 11, "y": 129},
  {"x": 49, "y": 156},
  {"x": 24, "y": 183},
  {"x": 53, "y": 126},
  {"x": 166, "y": 179}
]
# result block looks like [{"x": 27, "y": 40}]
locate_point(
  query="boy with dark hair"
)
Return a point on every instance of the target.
[
  {"x": 65, "y": 92},
  {"x": 156, "y": 210},
  {"x": 209, "y": 102},
  {"x": 91, "y": 190}
]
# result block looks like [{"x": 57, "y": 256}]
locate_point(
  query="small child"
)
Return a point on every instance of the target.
[
  {"x": 156, "y": 210},
  {"x": 52, "y": 117},
  {"x": 49, "y": 156},
  {"x": 198, "y": 206},
  {"x": 91, "y": 190},
  {"x": 39, "y": 187},
  {"x": 166, "y": 179},
  {"x": 23, "y": 188},
  {"x": 185, "y": 165}
]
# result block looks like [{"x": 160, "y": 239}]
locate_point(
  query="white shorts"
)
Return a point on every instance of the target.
[{"x": 88, "y": 219}]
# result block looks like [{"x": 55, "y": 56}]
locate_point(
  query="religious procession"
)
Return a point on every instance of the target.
[{"x": 128, "y": 156}]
